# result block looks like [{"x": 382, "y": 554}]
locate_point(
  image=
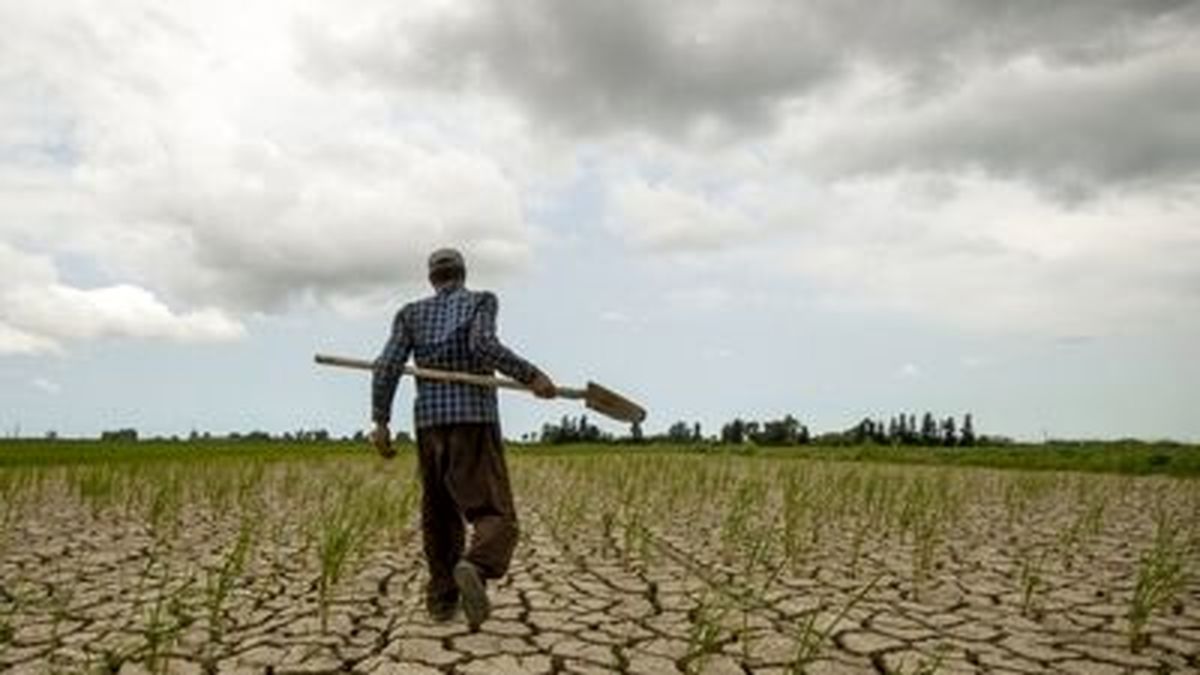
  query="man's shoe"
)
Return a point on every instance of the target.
[
  {"x": 472, "y": 593},
  {"x": 441, "y": 611}
]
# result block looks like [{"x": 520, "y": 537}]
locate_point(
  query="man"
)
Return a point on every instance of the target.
[{"x": 460, "y": 450}]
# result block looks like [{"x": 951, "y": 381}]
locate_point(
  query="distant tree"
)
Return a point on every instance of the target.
[
  {"x": 569, "y": 430},
  {"x": 949, "y": 436},
  {"x": 752, "y": 430},
  {"x": 120, "y": 435},
  {"x": 635, "y": 432},
  {"x": 734, "y": 432},
  {"x": 804, "y": 438},
  {"x": 967, "y": 437},
  {"x": 696, "y": 435},
  {"x": 785, "y": 431},
  {"x": 679, "y": 432},
  {"x": 929, "y": 430},
  {"x": 861, "y": 431},
  {"x": 403, "y": 437},
  {"x": 52, "y": 435}
]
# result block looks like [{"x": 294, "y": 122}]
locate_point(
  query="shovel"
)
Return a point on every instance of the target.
[{"x": 604, "y": 401}]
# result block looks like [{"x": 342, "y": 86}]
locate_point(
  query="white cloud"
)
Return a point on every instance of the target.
[
  {"x": 661, "y": 218},
  {"x": 700, "y": 298},
  {"x": 973, "y": 362},
  {"x": 187, "y": 151},
  {"x": 39, "y": 313},
  {"x": 14, "y": 341},
  {"x": 973, "y": 253},
  {"x": 999, "y": 257},
  {"x": 47, "y": 386},
  {"x": 64, "y": 312},
  {"x": 909, "y": 371}
]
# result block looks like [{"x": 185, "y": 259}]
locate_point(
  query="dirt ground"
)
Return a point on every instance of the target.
[{"x": 626, "y": 564}]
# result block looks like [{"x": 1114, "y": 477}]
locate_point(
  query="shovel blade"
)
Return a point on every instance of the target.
[{"x": 611, "y": 404}]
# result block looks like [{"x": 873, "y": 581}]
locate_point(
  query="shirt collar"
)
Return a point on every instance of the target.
[{"x": 449, "y": 287}]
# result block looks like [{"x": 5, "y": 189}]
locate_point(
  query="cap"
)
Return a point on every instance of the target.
[{"x": 446, "y": 258}]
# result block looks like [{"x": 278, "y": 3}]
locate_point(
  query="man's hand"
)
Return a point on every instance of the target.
[
  {"x": 543, "y": 386},
  {"x": 381, "y": 438}
]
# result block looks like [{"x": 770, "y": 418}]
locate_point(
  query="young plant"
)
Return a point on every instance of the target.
[
  {"x": 705, "y": 634},
  {"x": 165, "y": 622},
  {"x": 1160, "y": 577},
  {"x": 342, "y": 530},
  {"x": 811, "y": 639},
  {"x": 219, "y": 582},
  {"x": 795, "y": 517},
  {"x": 1033, "y": 560},
  {"x": 11, "y": 602}
]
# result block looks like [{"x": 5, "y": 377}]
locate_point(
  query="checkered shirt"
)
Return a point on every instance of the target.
[{"x": 452, "y": 330}]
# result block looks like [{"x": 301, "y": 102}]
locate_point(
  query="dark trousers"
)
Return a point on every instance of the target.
[{"x": 464, "y": 476}]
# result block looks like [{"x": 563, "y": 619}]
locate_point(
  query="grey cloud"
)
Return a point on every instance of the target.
[
  {"x": 1069, "y": 133},
  {"x": 666, "y": 68}
]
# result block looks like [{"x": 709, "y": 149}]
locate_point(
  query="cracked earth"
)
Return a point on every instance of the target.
[{"x": 627, "y": 564}]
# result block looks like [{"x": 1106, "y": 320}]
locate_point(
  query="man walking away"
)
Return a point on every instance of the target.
[{"x": 459, "y": 446}]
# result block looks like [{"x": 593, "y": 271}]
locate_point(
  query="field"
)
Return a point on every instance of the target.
[{"x": 277, "y": 559}]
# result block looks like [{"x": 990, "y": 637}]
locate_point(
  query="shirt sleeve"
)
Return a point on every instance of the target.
[
  {"x": 487, "y": 347},
  {"x": 388, "y": 368}
]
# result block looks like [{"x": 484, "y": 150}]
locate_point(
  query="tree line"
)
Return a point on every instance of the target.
[
  {"x": 900, "y": 429},
  {"x": 129, "y": 435}
]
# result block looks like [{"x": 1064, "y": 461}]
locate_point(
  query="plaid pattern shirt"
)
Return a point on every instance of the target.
[{"x": 452, "y": 330}]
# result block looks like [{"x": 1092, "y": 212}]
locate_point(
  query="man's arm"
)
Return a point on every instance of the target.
[
  {"x": 484, "y": 343},
  {"x": 384, "y": 379}
]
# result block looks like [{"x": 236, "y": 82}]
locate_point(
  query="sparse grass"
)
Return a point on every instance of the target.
[
  {"x": 1160, "y": 576},
  {"x": 811, "y": 637},
  {"x": 1033, "y": 562},
  {"x": 755, "y": 528},
  {"x": 166, "y": 618},
  {"x": 219, "y": 582},
  {"x": 706, "y": 633}
]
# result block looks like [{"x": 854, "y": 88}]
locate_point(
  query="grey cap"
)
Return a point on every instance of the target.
[{"x": 446, "y": 258}]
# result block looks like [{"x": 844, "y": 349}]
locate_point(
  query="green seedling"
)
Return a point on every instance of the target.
[
  {"x": 219, "y": 583},
  {"x": 343, "y": 529},
  {"x": 811, "y": 639},
  {"x": 705, "y": 633},
  {"x": 1160, "y": 577},
  {"x": 165, "y": 622},
  {"x": 1033, "y": 561}
]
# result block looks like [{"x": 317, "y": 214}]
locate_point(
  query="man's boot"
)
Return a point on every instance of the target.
[
  {"x": 441, "y": 607},
  {"x": 473, "y": 594}
]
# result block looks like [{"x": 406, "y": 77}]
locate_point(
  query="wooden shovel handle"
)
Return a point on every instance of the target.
[{"x": 444, "y": 375}]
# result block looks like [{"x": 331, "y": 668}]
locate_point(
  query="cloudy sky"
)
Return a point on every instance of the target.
[{"x": 834, "y": 209}]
